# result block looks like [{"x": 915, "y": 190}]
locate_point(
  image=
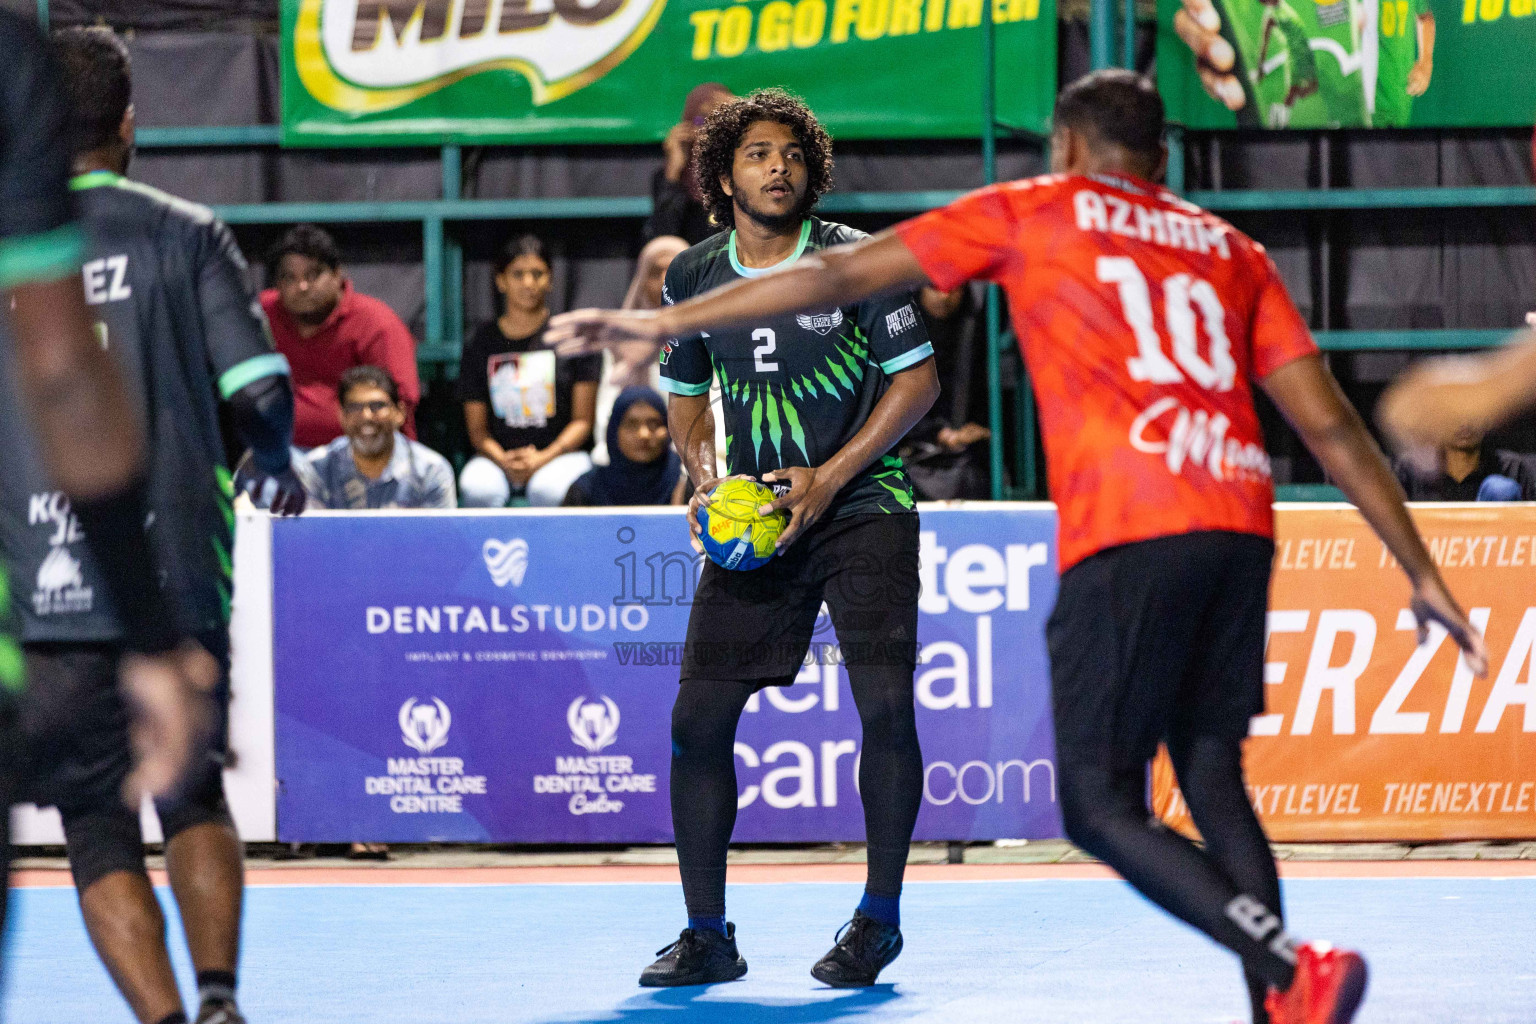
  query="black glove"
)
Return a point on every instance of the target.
[{"x": 279, "y": 492}]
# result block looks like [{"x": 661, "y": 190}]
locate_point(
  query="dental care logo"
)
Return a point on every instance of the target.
[
  {"x": 425, "y": 784},
  {"x": 369, "y": 56},
  {"x": 593, "y": 726},
  {"x": 508, "y": 563},
  {"x": 424, "y": 727},
  {"x": 822, "y": 323},
  {"x": 590, "y": 781}
]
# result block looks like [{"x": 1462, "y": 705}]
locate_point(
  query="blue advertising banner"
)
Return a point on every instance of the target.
[{"x": 509, "y": 677}]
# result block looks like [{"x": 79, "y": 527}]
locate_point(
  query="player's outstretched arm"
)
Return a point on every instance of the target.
[
  {"x": 1439, "y": 399},
  {"x": 838, "y": 276},
  {"x": 910, "y": 395},
  {"x": 1308, "y": 395}
]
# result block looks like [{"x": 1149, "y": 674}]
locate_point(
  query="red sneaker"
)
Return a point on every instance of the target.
[{"x": 1328, "y": 987}]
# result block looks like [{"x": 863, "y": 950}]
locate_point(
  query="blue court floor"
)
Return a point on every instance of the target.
[{"x": 1025, "y": 952}]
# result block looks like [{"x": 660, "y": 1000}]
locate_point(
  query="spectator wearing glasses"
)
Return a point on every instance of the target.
[
  {"x": 529, "y": 413},
  {"x": 324, "y": 327},
  {"x": 373, "y": 465}
]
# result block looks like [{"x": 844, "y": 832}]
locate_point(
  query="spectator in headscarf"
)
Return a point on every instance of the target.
[{"x": 642, "y": 468}]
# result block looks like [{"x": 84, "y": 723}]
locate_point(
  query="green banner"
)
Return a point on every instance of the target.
[
  {"x": 1348, "y": 63},
  {"x": 408, "y": 72}
]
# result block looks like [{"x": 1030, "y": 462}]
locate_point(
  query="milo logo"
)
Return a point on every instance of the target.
[{"x": 365, "y": 56}]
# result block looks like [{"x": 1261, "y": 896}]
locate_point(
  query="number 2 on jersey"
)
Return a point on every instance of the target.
[
  {"x": 766, "y": 336},
  {"x": 1181, "y": 295}
]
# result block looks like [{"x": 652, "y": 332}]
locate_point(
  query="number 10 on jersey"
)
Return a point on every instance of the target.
[{"x": 1182, "y": 295}]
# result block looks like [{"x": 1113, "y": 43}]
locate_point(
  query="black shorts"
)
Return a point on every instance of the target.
[
  {"x": 759, "y": 624},
  {"x": 1157, "y": 639},
  {"x": 74, "y": 724}
]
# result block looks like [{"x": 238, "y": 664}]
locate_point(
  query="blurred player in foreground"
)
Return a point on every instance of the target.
[
  {"x": 88, "y": 439},
  {"x": 1145, "y": 322},
  {"x": 167, "y": 288},
  {"x": 1440, "y": 400},
  {"x": 812, "y": 404}
]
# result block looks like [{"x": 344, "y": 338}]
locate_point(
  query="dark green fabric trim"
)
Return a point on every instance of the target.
[{"x": 46, "y": 257}]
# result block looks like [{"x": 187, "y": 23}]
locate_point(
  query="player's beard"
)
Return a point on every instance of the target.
[{"x": 773, "y": 221}]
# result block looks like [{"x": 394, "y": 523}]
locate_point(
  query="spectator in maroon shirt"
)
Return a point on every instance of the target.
[{"x": 325, "y": 328}]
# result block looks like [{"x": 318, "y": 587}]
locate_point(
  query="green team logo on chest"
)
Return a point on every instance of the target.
[{"x": 776, "y": 388}]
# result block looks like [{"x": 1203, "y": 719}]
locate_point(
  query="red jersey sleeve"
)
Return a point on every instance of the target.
[
  {"x": 1278, "y": 331},
  {"x": 973, "y": 238}
]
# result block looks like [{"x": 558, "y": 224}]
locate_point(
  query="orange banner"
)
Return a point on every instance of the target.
[{"x": 1367, "y": 735}]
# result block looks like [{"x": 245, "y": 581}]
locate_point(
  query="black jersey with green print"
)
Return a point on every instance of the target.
[
  {"x": 39, "y": 240},
  {"x": 796, "y": 389},
  {"x": 168, "y": 290}
]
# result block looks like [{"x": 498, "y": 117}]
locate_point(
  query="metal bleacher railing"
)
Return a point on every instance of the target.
[{"x": 443, "y": 256}]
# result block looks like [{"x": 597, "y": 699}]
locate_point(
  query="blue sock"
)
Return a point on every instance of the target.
[
  {"x": 885, "y": 909},
  {"x": 713, "y": 924}
]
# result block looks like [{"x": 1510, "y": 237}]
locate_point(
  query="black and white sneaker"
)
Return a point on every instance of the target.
[
  {"x": 864, "y": 948},
  {"x": 698, "y": 957},
  {"x": 219, "y": 1011}
]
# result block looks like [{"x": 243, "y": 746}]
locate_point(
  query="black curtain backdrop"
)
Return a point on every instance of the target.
[{"x": 1364, "y": 269}]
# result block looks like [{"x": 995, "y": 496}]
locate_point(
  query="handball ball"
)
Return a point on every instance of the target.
[{"x": 734, "y": 535}]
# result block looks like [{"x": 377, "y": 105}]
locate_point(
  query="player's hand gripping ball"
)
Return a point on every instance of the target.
[{"x": 733, "y": 534}]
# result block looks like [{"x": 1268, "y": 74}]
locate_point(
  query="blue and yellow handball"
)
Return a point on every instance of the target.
[{"x": 733, "y": 534}]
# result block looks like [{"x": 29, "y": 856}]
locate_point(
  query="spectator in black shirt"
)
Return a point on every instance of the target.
[
  {"x": 946, "y": 453},
  {"x": 1468, "y": 471},
  {"x": 678, "y": 219},
  {"x": 677, "y": 208},
  {"x": 642, "y": 469},
  {"x": 529, "y": 413}
]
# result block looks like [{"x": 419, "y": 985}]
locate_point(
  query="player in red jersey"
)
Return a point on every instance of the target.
[{"x": 1145, "y": 323}]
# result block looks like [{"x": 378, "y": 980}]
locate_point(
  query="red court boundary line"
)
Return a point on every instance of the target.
[{"x": 778, "y": 873}]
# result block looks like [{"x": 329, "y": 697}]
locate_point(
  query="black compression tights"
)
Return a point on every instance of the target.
[
  {"x": 704, "y": 779},
  {"x": 1229, "y": 890}
]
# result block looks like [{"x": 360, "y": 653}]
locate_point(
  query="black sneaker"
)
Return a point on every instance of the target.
[
  {"x": 698, "y": 957},
  {"x": 864, "y": 948}
]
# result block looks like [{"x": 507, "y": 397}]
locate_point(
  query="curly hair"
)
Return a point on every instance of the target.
[{"x": 714, "y": 151}]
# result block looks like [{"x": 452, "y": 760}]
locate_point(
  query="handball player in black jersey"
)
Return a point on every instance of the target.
[
  {"x": 88, "y": 439},
  {"x": 166, "y": 288},
  {"x": 812, "y": 405}
]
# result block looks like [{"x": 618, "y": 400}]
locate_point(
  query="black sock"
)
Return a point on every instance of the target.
[
  {"x": 704, "y": 786},
  {"x": 890, "y": 771},
  {"x": 1106, "y": 814},
  {"x": 215, "y": 986},
  {"x": 173, "y": 1018},
  {"x": 1212, "y": 768}
]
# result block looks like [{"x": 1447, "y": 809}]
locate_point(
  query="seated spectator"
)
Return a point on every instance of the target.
[
  {"x": 634, "y": 362},
  {"x": 946, "y": 453},
  {"x": 324, "y": 326},
  {"x": 643, "y": 469},
  {"x": 529, "y": 413},
  {"x": 374, "y": 465},
  {"x": 677, "y": 207},
  {"x": 1467, "y": 471}
]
